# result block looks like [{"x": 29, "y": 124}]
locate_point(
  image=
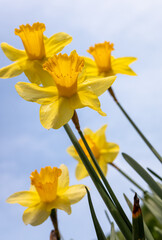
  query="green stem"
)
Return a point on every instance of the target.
[
  {"x": 135, "y": 127},
  {"x": 55, "y": 234},
  {"x": 116, "y": 215},
  {"x": 125, "y": 175},
  {"x": 107, "y": 185}
]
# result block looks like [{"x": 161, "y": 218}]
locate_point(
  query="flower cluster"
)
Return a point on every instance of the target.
[{"x": 61, "y": 84}]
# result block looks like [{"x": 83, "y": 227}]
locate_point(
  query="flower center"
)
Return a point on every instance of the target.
[
  {"x": 65, "y": 70},
  {"x": 32, "y": 38},
  {"x": 92, "y": 146},
  {"x": 102, "y": 55},
  {"x": 46, "y": 183}
]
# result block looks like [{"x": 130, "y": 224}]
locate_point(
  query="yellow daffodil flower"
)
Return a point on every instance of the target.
[
  {"x": 49, "y": 189},
  {"x": 104, "y": 152},
  {"x": 106, "y": 65},
  {"x": 69, "y": 90},
  {"x": 38, "y": 48}
]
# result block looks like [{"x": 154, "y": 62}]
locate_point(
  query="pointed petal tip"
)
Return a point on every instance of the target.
[{"x": 102, "y": 113}]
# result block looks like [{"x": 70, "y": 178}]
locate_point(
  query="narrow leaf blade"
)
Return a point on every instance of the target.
[
  {"x": 146, "y": 229},
  {"x": 99, "y": 232},
  {"x": 142, "y": 172}
]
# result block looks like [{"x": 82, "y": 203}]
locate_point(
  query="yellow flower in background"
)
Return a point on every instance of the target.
[
  {"x": 106, "y": 65},
  {"x": 38, "y": 48},
  {"x": 104, "y": 152},
  {"x": 49, "y": 189},
  {"x": 70, "y": 90}
]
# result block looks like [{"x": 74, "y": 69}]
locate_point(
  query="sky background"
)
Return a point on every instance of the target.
[{"x": 135, "y": 29}]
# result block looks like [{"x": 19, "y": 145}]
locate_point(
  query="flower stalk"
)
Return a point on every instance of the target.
[
  {"x": 110, "y": 90},
  {"x": 129, "y": 178},
  {"x": 55, "y": 235}
]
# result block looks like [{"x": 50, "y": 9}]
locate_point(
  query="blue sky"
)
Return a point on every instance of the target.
[{"x": 135, "y": 29}]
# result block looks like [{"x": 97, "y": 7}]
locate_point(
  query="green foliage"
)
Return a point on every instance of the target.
[
  {"x": 151, "y": 222},
  {"x": 144, "y": 174},
  {"x": 99, "y": 232}
]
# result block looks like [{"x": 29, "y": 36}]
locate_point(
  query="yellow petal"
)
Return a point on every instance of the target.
[
  {"x": 32, "y": 188},
  {"x": 75, "y": 193},
  {"x": 91, "y": 68},
  {"x": 12, "y": 53},
  {"x": 86, "y": 98},
  {"x": 56, "y": 114},
  {"x": 88, "y": 131},
  {"x": 63, "y": 180},
  {"x": 75, "y": 102},
  {"x": 35, "y": 215},
  {"x": 35, "y": 73},
  {"x": 62, "y": 203},
  {"x": 98, "y": 85},
  {"x": 110, "y": 152},
  {"x": 103, "y": 165},
  {"x": 80, "y": 171},
  {"x": 34, "y": 93},
  {"x": 24, "y": 198},
  {"x": 56, "y": 43},
  {"x": 89, "y": 99},
  {"x": 121, "y": 65},
  {"x": 99, "y": 137},
  {"x": 11, "y": 70},
  {"x": 72, "y": 152}
]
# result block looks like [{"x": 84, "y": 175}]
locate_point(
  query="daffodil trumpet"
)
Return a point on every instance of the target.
[
  {"x": 37, "y": 49},
  {"x": 69, "y": 90}
]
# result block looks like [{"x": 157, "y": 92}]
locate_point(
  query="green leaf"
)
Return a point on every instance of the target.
[
  {"x": 146, "y": 229},
  {"x": 99, "y": 232},
  {"x": 113, "y": 235},
  {"x": 155, "y": 174},
  {"x": 154, "y": 204},
  {"x": 142, "y": 172},
  {"x": 158, "y": 230}
]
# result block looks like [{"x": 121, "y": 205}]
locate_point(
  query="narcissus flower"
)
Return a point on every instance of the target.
[
  {"x": 104, "y": 152},
  {"x": 49, "y": 189},
  {"x": 38, "y": 48},
  {"x": 69, "y": 90},
  {"x": 106, "y": 65}
]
